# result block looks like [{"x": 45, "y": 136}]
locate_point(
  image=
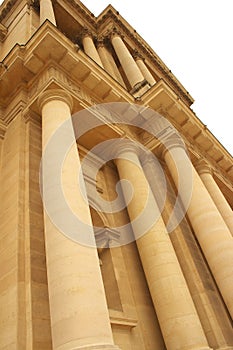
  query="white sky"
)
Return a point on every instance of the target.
[{"x": 194, "y": 39}]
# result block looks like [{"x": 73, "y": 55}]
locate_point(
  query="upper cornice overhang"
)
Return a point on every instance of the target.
[
  {"x": 112, "y": 17},
  {"x": 27, "y": 67},
  {"x": 199, "y": 139},
  {"x": 24, "y": 66},
  {"x": 6, "y": 7}
]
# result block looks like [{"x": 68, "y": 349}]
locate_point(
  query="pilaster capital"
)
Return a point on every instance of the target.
[
  {"x": 55, "y": 95},
  {"x": 203, "y": 167}
]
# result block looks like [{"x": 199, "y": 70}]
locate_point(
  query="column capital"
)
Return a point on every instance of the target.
[
  {"x": 55, "y": 94},
  {"x": 173, "y": 141},
  {"x": 147, "y": 159},
  {"x": 203, "y": 167},
  {"x": 115, "y": 32},
  {"x": 86, "y": 32},
  {"x": 137, "y": 55},
  {"x": 100, "y": 42},
  {"x": 127, "y": 146}
]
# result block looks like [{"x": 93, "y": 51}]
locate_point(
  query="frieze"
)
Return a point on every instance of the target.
[
  {"x": 6, "y": 9},
  {"x": 53, "y": 74},
  {"x": 84, "y": 14}
]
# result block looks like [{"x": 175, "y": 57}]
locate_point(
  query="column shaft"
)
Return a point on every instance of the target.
[
  {"x": 90, "y": 49},
  {"x": 217, "y": 196},
  {"x": 79, "y": 314},
  {"x": 177, "y": 316},
  {"x": 130, "y": 67},
  {"x": 109, "y": 63},
  {"x": 145, "y": 71},
  {"x": 209, "y": 226},
  {"x": 46, "y": 11},
  {"x": 202, "y": 288}
]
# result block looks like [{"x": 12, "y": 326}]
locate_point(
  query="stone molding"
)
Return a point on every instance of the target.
[
  {"x": 2, "y": 129},
  {"x": 6, "y": 9},
  {"x": 3, "y": 32},
  {"x": 31, "y": 117}
]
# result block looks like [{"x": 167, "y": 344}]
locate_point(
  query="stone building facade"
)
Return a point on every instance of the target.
[{"x": 145, "y": 276}]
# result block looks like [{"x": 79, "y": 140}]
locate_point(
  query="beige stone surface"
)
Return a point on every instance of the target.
[
  {"x": 75, "y": 285},
  {"x": 169, "y": 292},
  {"x": 212, "y": 232},
  {"x": 163, "y": 292}
]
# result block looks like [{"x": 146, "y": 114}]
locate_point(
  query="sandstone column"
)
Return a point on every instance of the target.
[
  {"x": 108, "y": 62},
  {"x": 202, "y": 288},
  {"x": 79, "y": 314},
  {"x": 130, "y": 67},
  {"x": 220, "y": 201},
  {"x": 176, "y": 313},
  {"x": 46, "y": 11},
  {"x": 143, "y": 68},
  {"x": 89, "y": 46},
  {"x": 211, "y": 231}
]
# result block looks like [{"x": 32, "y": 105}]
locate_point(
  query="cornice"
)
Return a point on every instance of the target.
[
  {"x": 83, "y": 12},
  {"x": 6, "y": 8},
  {"x": 144, "y": 49}
]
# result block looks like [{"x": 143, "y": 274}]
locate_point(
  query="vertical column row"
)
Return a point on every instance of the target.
[
  {"x": 202, "y": 288},
  {"x": 137, "y": 73},
  {"x": 174, "y": 306},
  {"x": 79, "y": 314},
  {"x": 210, "y": 228}
]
